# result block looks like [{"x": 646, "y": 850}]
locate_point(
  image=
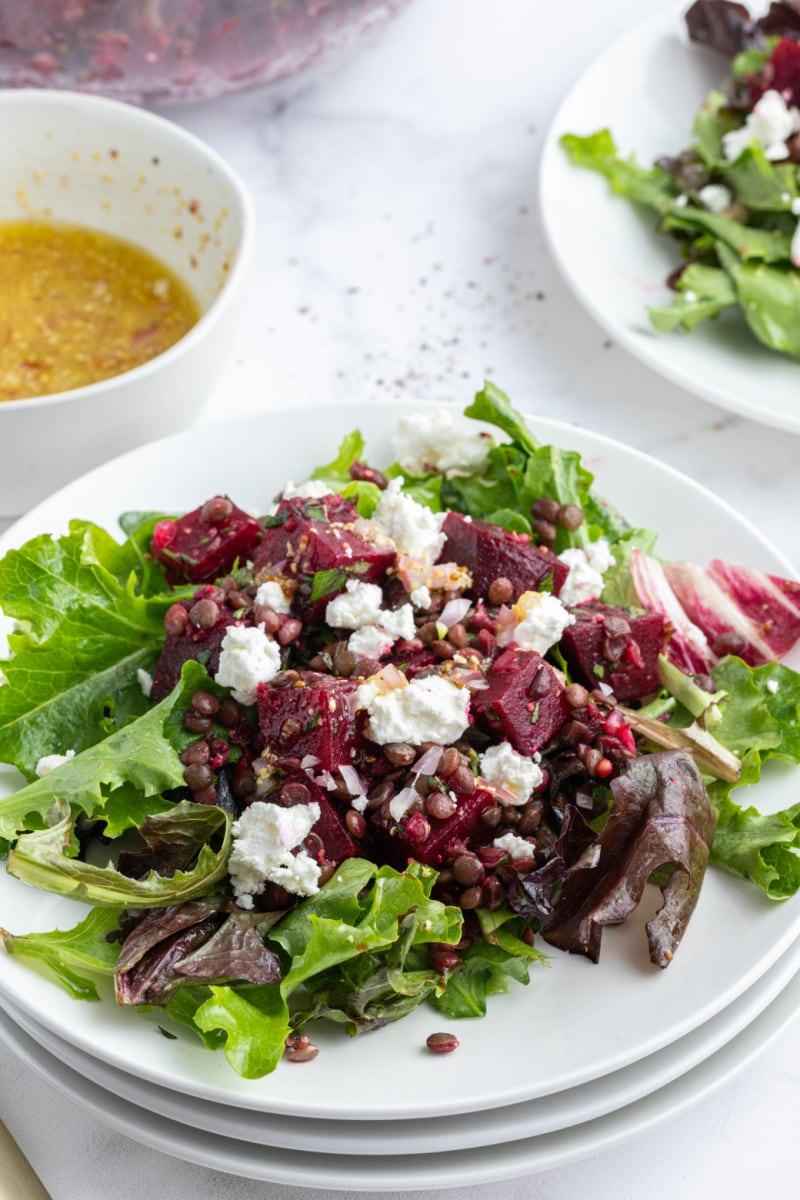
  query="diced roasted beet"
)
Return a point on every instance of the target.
[
  {"x": 314, "y": 718},
  {"x": 400, "y": 841},
  {"x": 336, "y": 841},
  {"x": 205, "y": 543},
  {"x": 489, "y": 553},
  {"x": 411, "y": 658},
  {"x": 596, "y": 651},
  {"x": 319, "y": 535},
  {"x": 201, "y": 645},
  {"x": 524, "y": 702}
]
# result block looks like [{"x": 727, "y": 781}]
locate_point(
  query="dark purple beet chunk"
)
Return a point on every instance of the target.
[
  {"x": 490, "y": 553},
  {"x": 201, "y": 645},
  {"x": 628, "y": 664},
  {"x": 524, "y": 703},
  {"x": 465, "y": 826},
  {"x": 313, "y": 719},
  {"x": 205, "y": 543},
  {"x": 336, "y": 841}
]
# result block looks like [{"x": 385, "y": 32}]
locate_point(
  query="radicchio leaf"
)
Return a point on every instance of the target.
[
  {"x": 660, "y": 817},
  {"x": 198, "y": 942}
]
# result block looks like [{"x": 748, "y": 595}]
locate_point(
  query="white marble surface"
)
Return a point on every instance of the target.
[{"x": 399, "y": 254}]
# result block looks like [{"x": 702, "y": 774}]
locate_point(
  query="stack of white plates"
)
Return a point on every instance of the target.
[{"x": 582, "y": 1058}]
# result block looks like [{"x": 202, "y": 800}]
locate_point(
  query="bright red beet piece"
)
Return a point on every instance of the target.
[
  {"x": 633, "y": 672},
  {"x": 313, "y": 719},
  {"x": 202, "y": 645},
  {"x": 204, "y": 544},
  {"x": 524, "y": 703},
  {"x": 489, "y": 553},
  {"x": 400, "y": 841},
  {"x": 781, "y": 72}
]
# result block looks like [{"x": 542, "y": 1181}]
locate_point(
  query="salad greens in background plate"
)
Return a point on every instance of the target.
[
  {"x": 745, "y": 934},
  {"x": 645, "y": 91}
]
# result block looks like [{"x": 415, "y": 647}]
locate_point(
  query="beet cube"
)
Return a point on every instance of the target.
[
  {"x": 489, "y": 553},
  {"x": 314, "y": 718},
  {"x": 597, "y": 649},
  {"x": 204, "y": 544},
  {"x": 524, "y": 702},
  {"x": 336, "y": 841},
  {"x": 201, "y": 645},
  {"x": 399, "y": 840}
]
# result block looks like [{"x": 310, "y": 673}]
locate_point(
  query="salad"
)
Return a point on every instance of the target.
[
  {"x": 394, "y": 742},
  {"x": 730, "y": 200}
]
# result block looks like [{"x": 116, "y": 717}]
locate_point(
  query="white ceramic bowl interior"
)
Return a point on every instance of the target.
[{"x": 118, "y": 169}]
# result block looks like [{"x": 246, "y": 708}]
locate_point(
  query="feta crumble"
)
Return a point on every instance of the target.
[
  {"x": 502, "y": 767},
  {"x": 271, "y": 595},
  {"x": 414, "y": 529},
  {"x": 436, "y": 441},
  {"x": 263, "y": 840},
  {"x": 772, "y": 686},
  {"x": 370, "y": 642},
  {"x": 50, "y": 761},
  {"x": 421, "y": 597},
  {"x": 540, "y": 621},
  {"x": 771, "y": 123},
  {"x": 715, "y": 197},
  {"x": 515, "y": 847},
  {"x": 358, "y": 605},
  {"x": 425, "y": 710},
  {"x": 145, "y": 681},
  {"x": 247, "y": 657},
  {"x": 587, "y": 566},
  {"x": 794, "y": 249},
  {"x": 312, "y": 489}
]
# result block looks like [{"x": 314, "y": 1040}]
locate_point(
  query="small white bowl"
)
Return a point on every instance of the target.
[{"x": 121, "y": 170}]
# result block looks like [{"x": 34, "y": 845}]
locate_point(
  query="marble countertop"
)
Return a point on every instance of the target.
[{"x": 399, "y": 255}]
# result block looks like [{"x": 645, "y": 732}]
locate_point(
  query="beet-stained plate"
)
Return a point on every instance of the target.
[{"x": 575, "y": 1022}]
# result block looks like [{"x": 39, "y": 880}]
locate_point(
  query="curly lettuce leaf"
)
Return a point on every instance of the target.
[
  {"x": 46, "y": 859},
  {"x": 489, "y": 965},
  {"x": 649, "y": 186},
  {"x": 84, "y": 629},
  {"x": 120, "y": 780},
  {"x": 71, "y": 953},
  {"x": 703, "y": 293}
]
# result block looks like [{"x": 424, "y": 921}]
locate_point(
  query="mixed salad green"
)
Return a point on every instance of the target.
[
  {"x": 623, "y": 789},
  {"x": 730, "y": 201}
]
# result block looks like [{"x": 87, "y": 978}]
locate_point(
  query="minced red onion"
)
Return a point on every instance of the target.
[
  {"x": 429, "y": 762},
  {"x": 402, "y": 802},
  {"x": 309, "y": 761},
  {"x": 352, "y": 780},
  {"x": 453, "y": 611}
]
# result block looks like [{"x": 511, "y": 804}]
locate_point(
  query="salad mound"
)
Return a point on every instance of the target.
[
  {"x": 730, "y": 200},
  {"x": 382, "y": 745}
]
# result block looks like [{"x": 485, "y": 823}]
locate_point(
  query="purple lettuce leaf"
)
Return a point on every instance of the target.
[{"x": 660, "y": 819}]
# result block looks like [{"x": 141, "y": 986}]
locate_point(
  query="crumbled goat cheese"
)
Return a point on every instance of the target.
[
  {"x": 587, "y": 566},
  {"x": 541, "y": 620},
  {"x": 370, "y": 642},
  {"x": 502, "y": 767},
  {"x": 312, "y": 489},
  {"x": 425, "y": 710},
  {"x": 414, "y": 529},
  {"x": 247, "y": 657},
  {"x": 358, "y": 605},
  {"x": 770, "y": 124},
  {"x": 794, "y": 249},
  {"x": 271, "y": 595},
  {"x": 399, "y": 622},
  {"x": 145, "y": 681},
  {"x": 515, "y": 847},
  {"x": 796, "y": 207},
  {"x": 50, "y": 761},
  {"x": 681, "y": 201},
  {"x": 772, "y": 686},
  {"x": 690, "y": 297},
  {"x": 715, "y": 197},
  {"x": 421, "y": 598},
  {"x": 263, "y": 840},
  {"x": 436, "y": 441}
]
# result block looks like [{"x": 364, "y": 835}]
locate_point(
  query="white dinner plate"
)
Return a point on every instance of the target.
[
  {"x": 646, "y": 88},
  {"x": 432, "y": 1135},
  {"x": 409, "y": 1172},
  {"x": 576, "y": 1021}
]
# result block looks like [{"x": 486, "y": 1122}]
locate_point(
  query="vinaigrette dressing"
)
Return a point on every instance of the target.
[{"x": 78, "y": 306}]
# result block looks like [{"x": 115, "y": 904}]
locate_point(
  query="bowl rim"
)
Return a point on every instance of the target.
[{"x": 47, "y": 97}]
